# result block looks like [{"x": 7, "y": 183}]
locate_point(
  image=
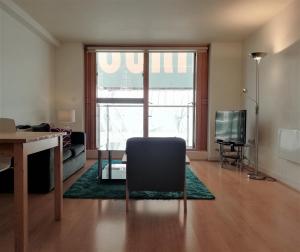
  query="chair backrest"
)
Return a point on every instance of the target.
[
  {"x": 155, "y": 164},
  {"x": 7, "y": 125}
]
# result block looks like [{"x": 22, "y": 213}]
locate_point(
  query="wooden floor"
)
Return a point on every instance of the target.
[{"x": 246, "y": 216}]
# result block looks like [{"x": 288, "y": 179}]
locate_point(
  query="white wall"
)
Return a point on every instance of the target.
[
  {"x": 26, "y": 72},
  {"x": 225, "y": 73},
  {"x": 69, "y": 87},
  {"x": 225, "y": 85},
  {"x": 279, "y": 89}
]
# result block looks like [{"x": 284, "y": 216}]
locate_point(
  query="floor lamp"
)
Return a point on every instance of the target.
[{"x": 256, "y": 56}]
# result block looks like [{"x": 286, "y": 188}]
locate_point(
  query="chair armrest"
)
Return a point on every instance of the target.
[{"x": 78, "y": 138}]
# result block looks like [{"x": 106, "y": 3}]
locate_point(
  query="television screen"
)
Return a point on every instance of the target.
[{"x": 231, "y": 126}]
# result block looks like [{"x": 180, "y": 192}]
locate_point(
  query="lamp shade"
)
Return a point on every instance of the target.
[
  {"x": 258, "y": 55},
  {"x": 66, "y": 115}
]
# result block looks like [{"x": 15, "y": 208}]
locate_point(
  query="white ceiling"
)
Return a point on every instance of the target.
[{"x": 151, "y": 21}]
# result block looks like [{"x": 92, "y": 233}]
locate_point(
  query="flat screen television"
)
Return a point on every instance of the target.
[{"x": 231, "y": 126}]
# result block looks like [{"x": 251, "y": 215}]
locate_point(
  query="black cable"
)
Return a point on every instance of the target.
[{"x": 266, "y": 177}]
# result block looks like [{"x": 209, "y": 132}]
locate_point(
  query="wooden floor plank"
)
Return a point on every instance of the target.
[{"x": 247, "y": 215}]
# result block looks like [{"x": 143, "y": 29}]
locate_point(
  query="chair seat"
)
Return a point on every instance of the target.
[{"x": 5, "y": 163}]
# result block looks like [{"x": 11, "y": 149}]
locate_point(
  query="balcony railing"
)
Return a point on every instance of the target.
[{"x": 118, "y": 122}]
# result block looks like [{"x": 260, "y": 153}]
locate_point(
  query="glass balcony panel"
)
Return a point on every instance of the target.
[
  {"x": 172, "y": 121},
  {"x": 116, "y": 123}
]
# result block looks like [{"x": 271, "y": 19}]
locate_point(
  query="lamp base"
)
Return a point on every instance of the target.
[{"x": 256, "y": 177}]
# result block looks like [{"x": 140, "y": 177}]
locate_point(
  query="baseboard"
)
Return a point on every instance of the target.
[
  {"x": 285, "y": 181},
  {"x": 294, "y": 185},
  {"x": 197, "y": 155},
  {"x": 214, "y": 158}
]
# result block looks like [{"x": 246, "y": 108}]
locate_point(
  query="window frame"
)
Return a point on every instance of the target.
[{"x": 200, "y": 89}]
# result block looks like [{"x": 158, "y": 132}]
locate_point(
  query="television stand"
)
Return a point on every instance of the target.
[{"x": 231, "y": 151}]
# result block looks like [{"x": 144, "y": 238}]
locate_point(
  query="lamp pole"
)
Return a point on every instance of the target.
[{"x": 257, "y": 56}]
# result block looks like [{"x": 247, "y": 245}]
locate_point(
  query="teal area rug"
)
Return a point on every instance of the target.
[{"x": 86, "y": 187}]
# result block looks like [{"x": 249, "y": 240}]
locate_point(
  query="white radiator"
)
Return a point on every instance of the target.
[{"x": 289, "y": 144}]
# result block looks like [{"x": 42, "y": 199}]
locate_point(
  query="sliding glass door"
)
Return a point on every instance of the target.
[
  {"x": 145, "y": 93},
  {"x": 119, "y": 98},
  {"x": 171, "y": 95}
]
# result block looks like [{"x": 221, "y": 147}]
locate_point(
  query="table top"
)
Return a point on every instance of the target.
[
  {"x": 113, "y": 147},
  {"x": 124, "y": 159},
  {"x": 25, "y": 137}
]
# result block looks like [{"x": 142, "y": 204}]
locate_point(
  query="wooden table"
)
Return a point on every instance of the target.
[{"x": 20, "y": 145}]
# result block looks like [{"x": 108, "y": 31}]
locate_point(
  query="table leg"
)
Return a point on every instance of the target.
[
  {"x": 99, "y": 178},
  {"x": 20, "y": 198},
  {"x": 109, "y": 164},
  {"x": 58, "y": 190}
]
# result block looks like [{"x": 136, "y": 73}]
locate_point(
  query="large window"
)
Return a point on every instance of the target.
[{"x": 147, "y": 93}]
